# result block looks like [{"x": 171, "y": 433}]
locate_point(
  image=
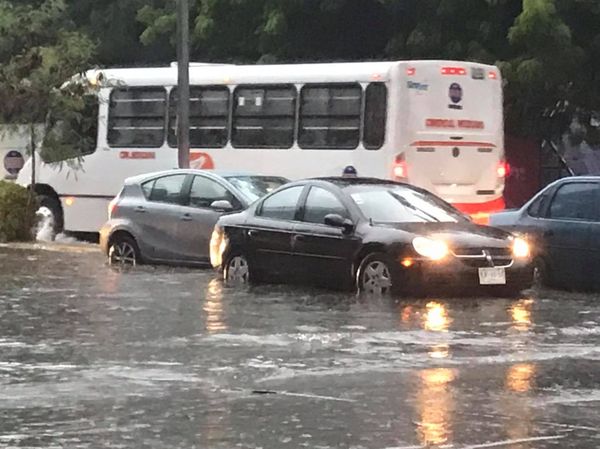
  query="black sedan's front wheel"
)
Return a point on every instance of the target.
[
  {"x": 375, "y": 276},
  {"x": 237, "y": 270}
]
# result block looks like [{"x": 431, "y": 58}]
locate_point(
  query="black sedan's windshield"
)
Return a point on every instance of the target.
[
  {"x": 397, "y": 204},
  {"x": 255, "y": 187}
]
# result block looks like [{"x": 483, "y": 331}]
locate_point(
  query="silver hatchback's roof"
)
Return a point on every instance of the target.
[{"x": 188, "y": 171}]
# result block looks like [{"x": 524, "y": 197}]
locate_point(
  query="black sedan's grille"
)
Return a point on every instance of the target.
[{"x": 484, "y": 257}]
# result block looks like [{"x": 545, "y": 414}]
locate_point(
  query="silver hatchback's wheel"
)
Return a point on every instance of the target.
[
  {"x": 237, "y": 270},
  {"x": 123, "y": 251},
  {"x": 374, "y": 277}
]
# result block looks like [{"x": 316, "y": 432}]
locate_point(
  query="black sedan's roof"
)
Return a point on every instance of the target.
[{"x": 343, "y": 181}]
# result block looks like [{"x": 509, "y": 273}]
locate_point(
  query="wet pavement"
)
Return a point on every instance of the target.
[{"x": 170, "y": 358}]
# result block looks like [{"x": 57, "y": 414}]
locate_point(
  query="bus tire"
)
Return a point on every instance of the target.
[{"x": 53, "y": 206}]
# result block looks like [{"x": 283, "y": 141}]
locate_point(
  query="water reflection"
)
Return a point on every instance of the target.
[
  {"x": 436, "y": 317},
  {"x": 520, "y": 377},
  {"x": 213, "y": 306},
  {"x": 435, "y": 405},
  {"x": 520, "y": 313},
  {"x": 432, "y": 317}
]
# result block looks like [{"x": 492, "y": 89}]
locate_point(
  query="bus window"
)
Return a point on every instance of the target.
[
  {"x": 330, "y": 116},
  {"x": 375, "y": 115},
  {"x": 263, "y": 116},
  {"x": 209, "y": 117},
  {"x": 136, "y": 117},
  {"x": 72, "y": 134}
]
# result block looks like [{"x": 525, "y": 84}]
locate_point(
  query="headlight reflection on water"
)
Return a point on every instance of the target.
[
  {"x": 435, "y": 402},
  {"x": 213, "y": 307}
]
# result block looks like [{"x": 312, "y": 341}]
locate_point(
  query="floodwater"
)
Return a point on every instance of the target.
[{"x": 170, "y": 358}]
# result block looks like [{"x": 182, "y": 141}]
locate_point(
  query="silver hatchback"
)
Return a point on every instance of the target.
[{"x": 168, "y": 217}]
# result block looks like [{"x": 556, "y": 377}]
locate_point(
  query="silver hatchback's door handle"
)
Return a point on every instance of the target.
[
  {"x": 140, "y": 209},
  {"x": 186, "y": 217}
]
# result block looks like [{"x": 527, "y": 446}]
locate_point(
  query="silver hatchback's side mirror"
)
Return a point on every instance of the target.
[{"x": 221, "y": 205}]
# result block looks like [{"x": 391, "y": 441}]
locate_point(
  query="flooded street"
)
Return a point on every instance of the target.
[{"x": 170, "y": 358}]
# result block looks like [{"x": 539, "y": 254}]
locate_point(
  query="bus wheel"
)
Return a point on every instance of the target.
[
  {"x": 50, "y": 217},
  {"x": 374, "y": 276},
  {"x": 123, "y": 251}
]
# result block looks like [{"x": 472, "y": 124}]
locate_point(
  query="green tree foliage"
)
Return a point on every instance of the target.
[
  {"x": 17, "y": 213},
  {"x": 39, "y": 51},
  {"x": 549, "y": 50}
]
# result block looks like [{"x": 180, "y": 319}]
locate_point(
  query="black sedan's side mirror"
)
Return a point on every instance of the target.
[
  {"x": 338, "y": 221},
  {"x": 221, "y": 205}
]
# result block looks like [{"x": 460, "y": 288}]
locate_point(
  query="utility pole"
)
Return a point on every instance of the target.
[{"x": 183, "y": 83}]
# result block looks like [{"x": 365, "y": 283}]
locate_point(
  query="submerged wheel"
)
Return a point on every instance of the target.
[
  {"x": 50, "y": 216},
  {"x": 374, "y": 276},
  {"x": 237, "y": 270},
  {"x": 123, "y": 251},
  {"x": 540, "y": 272}
]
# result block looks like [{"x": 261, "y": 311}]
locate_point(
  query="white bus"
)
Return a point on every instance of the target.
[{"x": 435, "y": 124}]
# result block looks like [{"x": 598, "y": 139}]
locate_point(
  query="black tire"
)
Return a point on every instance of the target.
[
  {"x": 541, "y": 276},
  {"x": 375, "y": 276},
  {"x": 52, "y": 203},
  {"x": 123, "y": 251},
  {"x": 237, "y": 269}
]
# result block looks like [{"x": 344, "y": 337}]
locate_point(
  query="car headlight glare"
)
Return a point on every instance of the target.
[
  {"x": 430, "y": 248},
  {"x": 520, "y": 248},
  {"x": 218, "y": 245}
]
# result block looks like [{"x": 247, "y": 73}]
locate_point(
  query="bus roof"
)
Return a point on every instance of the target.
[{"x": 284, "y": 73}]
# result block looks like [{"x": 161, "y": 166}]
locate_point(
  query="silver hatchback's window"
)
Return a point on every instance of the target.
[
  {"x": 164, "y": 190},
  {"x": 205, "y": 191}
]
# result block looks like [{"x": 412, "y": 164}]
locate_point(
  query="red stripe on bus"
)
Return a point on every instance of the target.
[{"x": 445, "y": 143}]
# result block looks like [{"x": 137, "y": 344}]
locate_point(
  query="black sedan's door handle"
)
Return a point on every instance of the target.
[
  {"x": 252, "y": 233},
  {"x": 299, "y": 238}
]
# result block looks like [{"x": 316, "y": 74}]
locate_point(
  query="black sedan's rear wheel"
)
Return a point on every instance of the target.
[
  {"x": 375, "y": 276},
  {"x": 237, "y": 269}
]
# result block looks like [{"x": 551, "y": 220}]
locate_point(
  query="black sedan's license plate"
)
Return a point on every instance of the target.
[{"x": 492, "y": 276}]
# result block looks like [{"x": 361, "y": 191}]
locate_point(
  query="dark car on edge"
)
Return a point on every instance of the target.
[
  {"x": 563, "y": 223},
  {"x": 373, "y": 235}
]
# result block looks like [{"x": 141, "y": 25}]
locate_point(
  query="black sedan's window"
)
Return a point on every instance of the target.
[
  {"x": 387, "y": 204},
  {"x": 321, "y": 202},
  {"x": 281, "y": 205}
]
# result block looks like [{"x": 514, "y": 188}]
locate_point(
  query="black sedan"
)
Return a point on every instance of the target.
[{"x": 372, "y": 235}]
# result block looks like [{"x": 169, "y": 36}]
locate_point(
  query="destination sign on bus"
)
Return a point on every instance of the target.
[{"x": 451, "y": 123}]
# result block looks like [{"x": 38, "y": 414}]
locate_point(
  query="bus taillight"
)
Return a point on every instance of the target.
[
  {"x": 503, "y": 169},
  {"x": 453, "y": 71},
  {"x": 410, "y": 71},
  {"x": 400, "y": 167}
]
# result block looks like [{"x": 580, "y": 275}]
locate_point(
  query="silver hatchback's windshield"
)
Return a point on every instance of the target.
[
  {"x": 255, "y": 187},
  {"x": 397, "y": 204}
]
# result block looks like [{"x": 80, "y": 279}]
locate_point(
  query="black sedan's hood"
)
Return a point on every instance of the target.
[{"x": 456, "y": 235}]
